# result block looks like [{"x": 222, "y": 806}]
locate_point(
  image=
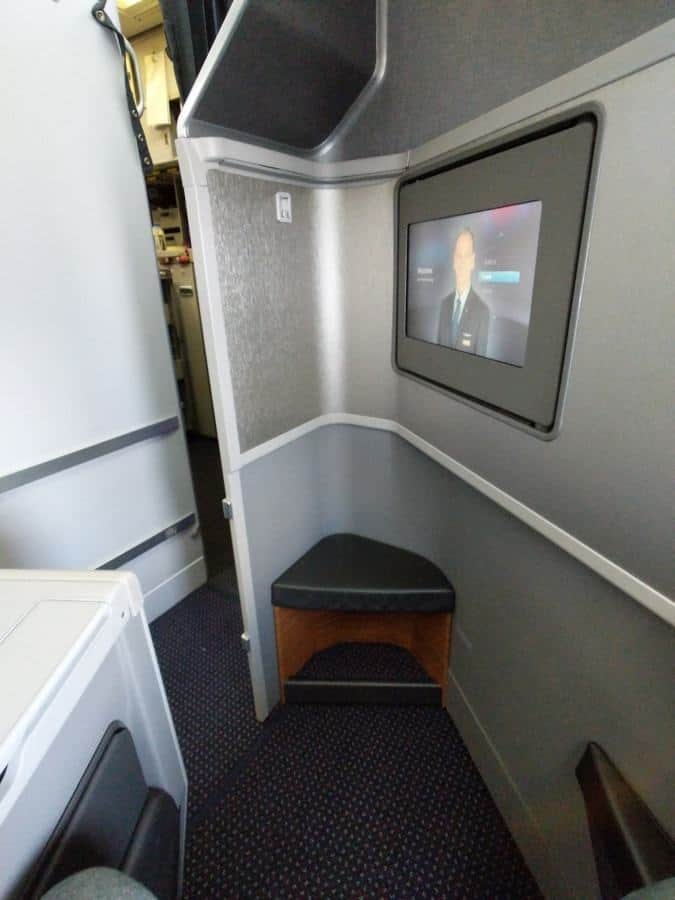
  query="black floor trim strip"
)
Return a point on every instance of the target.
[{"x": 389, "y": 693}]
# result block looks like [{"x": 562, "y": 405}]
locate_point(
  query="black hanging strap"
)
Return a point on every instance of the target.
[{"x": 100, "y": 15}]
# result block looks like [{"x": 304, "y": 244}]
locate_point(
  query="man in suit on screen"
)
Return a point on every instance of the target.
[{"x": 465, "y": 318}]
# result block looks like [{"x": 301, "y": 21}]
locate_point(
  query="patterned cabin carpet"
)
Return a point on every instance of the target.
[
  {"x": 321, "y": 801},
  {"x": 363, "y": 662}
]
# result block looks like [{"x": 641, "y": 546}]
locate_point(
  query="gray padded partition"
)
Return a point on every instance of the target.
[
  {"x": 292, "y": 69},
  {"x": 437, "y": 76},
  {"x": 307, "y": 306},
  {"x": 115, "y": 820}
]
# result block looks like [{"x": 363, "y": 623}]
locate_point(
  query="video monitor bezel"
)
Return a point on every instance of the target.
[{"x": 553, "y": 165}]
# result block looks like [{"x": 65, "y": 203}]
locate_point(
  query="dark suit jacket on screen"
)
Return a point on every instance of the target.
[{"x": 472, "y": 331}]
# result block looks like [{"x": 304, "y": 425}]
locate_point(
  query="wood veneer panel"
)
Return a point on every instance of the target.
[{"x": 301, "y": 633}]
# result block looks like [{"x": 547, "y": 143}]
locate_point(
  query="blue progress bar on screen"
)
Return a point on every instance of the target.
[{"x": 499, "y": 277}]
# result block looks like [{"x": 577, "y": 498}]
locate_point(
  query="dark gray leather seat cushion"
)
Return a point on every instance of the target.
[{"x": 356, "y": 574}]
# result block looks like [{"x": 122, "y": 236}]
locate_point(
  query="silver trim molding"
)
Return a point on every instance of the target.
[
  {"x": 159, "y": 538},
  {"x": 77, "y": 457}
]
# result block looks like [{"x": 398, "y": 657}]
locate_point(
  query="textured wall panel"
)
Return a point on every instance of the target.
[
  {"x": 451, "y": 61},
  {"x": 269, "y": 283}
]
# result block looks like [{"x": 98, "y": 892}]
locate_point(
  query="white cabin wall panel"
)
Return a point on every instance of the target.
[
  {"x": 84, "y": 516},
  {"x": 84, "y": 353},
  {"x": 82, "y": 292}
]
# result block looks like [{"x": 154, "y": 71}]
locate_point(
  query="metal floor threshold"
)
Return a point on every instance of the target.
[{"x": 387, "y": 693}]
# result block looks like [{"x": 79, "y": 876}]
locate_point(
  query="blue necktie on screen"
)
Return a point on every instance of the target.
[{"x": 456, "y": 316}]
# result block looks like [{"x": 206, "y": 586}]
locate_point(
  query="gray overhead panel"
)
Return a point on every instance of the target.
[
  {"x": 292, "y": 70},
  {"x": 449, "y": 61}
]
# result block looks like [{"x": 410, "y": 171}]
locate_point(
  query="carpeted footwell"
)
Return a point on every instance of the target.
[
  {"x": 363, "y": 662},
  {"x": 321, "y": 801}
]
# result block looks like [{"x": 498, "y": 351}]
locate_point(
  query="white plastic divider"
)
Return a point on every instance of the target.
[{"x": 262, "y": 702}]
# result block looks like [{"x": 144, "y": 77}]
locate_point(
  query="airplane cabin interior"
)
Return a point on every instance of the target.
[{"x": 336, "y": 482}]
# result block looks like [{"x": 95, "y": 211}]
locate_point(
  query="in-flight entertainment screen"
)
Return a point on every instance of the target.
[{"x": 470, "y": 280}]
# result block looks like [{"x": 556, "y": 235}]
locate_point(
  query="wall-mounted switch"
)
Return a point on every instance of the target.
[{"x": 284, "y": 208}]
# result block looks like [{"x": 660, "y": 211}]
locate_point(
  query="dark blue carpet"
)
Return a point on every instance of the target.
[
  {"x": 207, "y": 681},
  {"x": 320, "y": 801},
  {"x": 363, "y": 662}
]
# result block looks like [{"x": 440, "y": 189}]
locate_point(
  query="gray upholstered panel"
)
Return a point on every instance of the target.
[
  {"x": 449, "y": 62},
  {"x": 292, "y": 69},
  {"x": 269, "y": 277}
]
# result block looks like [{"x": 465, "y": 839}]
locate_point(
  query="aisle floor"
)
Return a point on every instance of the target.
[{"x": 321, "y": 801}]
